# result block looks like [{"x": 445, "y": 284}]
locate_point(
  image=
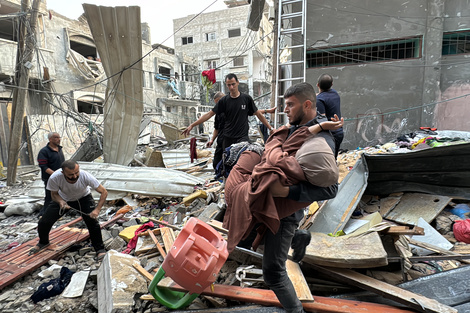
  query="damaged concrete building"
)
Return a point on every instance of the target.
[
  {"x": 227, "y": 45},
  {"x": 397, "y": 65},
  {"x": 67, "y": 88}
]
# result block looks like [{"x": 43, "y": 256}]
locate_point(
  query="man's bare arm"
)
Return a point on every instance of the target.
[
  {"x": 201, "y": 120},
  {"x": 103, "y": 194},
  {"x": 263, "y": 120}
]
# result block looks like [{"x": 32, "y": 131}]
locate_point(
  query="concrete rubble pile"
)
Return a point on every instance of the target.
[{"x": 331, "y": 267}]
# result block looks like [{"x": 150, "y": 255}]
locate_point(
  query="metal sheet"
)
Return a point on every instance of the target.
[
  {"x": 443, "y": 170},
  {"x": 335, "y": 213},
  {"x": 117, "y": 35},
  {"x": 414, "y": 206}
]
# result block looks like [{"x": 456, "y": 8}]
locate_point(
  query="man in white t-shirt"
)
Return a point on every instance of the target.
[{"x": 70, "y": 189}]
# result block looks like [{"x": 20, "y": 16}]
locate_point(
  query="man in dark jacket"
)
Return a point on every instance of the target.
[{"x": 50, "y": 158}]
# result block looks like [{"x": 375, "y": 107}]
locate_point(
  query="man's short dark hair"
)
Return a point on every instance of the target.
[
  {"x": 70, "y": 164},
  {"x": 303, "y": 92},
  {"x": 231, "y": 76},
  {"x": 325, "y": 81},
  {"x": 218, "y": 95}
]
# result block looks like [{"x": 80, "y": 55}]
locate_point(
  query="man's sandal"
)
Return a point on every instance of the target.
[
  {"x": 38, "y": 248},
  {"x": 101, "y": 254}
]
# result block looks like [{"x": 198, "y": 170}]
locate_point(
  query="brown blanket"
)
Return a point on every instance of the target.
[{"x": 247, "y": 194}]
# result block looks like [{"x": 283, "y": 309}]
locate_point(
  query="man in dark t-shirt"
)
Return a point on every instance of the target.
[
  {"x": 237, "y": 107},
  {"x": 329, "y": 104}
]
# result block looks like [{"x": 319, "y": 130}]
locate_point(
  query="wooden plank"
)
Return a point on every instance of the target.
[
  {"x": 435, "y": 249},
  {"x": 412, "y": 206},
  {"x": 298, "y": 280},
  {"x": 159, "y": 246},
  {"x": 412, "y": 300},
  {"x": 142, "y": 271},
  {"x": 17, "y": 263},
  {"x": 268, "y": 298},
  {"x": 346, "y": 251},
  {"x": 403, "y": 230},
  {"x": 168, "y": 236}
]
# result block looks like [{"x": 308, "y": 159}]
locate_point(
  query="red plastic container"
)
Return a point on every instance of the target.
[{"x": 196, "y": 257}]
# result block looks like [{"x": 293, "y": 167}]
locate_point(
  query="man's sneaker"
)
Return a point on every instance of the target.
[{"x": 299, "y": 244}]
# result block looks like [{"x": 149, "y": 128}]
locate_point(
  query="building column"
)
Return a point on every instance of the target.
[{"x": 432, "y": 55}]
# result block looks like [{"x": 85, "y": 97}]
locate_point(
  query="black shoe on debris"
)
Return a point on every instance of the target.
[{"x": 299, "y": 244}]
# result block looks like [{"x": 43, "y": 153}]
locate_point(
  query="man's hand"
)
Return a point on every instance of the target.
[
  {"x": 187, "y": 130},
  {"x": 271, "y": 110},
  {"x": 95, "y": 213},
  {"x": 209, "y": 143},
  {"x": 63, "y": 205}
]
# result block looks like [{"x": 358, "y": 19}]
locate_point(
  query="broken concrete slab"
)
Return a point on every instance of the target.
[
  {"x": 118, "y": 281},
  {"x": 346, "y": 252}
]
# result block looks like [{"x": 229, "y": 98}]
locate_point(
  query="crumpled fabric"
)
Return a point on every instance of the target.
[
  {"x": 53, "y": 287},
  {"x": 133, "y": 242},
  {"x": 210, "y": 74},
  {"x": 461, "y": 230}
]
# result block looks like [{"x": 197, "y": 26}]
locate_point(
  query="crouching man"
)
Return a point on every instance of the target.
[{"x": 70, "y": 189}]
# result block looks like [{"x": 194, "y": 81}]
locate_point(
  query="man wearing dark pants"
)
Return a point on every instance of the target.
[
  {"x": 50, "y": 158},
  {"x": 70, "y": 189}
]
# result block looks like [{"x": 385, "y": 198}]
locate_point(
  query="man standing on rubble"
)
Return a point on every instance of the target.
[
  {"x": 218, "y": 133},
  {"x": 329, "y": 104},
  {"x": 70, "y": 190},
  {"x": 237, "y": 107},
  {"x": 50, "y": 158},
  {"x": 263, "y": 192}
]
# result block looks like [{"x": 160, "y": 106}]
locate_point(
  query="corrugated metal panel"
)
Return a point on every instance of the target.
[
  {"x": 154, "y": 181},
  {"x": 117, "y": 35},
  {"x": 441, "y": 171}
]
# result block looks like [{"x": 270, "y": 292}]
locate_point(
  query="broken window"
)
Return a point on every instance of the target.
[
  {"x": 211, "y": 64},
  {"x": 165, "y": 71},
  {"x": 8, "y": 26},
  {"x": 90, "y": 105},
  {"x": 210, "y": 36},
  {"x": 238, "y": 61},
  {"x": 187, "y": 40},
  {"x": 407, "y": 48},
  {"x": 456, "y": 43},
  {"x": 189, "y": 73},
  {"x": 84, "y": 46},
  {"x": 234, "y": 33}
]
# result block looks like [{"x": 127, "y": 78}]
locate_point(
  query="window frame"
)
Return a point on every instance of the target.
[
  {"x": 231, "y": 35},
  {"x": 361, "y": 53},
  {"x": 211, "y": 36},
  {"x": 461, "y": 38},
  {"x": 187, "y": 40}
]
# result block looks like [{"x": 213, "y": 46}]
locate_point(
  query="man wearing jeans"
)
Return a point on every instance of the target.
[{"x": 70, "y": 190}]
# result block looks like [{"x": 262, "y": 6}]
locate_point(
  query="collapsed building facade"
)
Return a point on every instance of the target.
[{"x": 67, "y": 86}]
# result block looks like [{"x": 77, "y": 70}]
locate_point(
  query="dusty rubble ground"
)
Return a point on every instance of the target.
[{"x": 17, "y": 229}]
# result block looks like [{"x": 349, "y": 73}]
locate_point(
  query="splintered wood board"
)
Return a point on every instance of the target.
[
  {"x": 412, "y": 206},
  {"x": 299, "y": 281}
]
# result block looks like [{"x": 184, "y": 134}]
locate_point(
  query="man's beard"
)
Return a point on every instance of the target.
[
  {"x": 71, "y": 180},
  {"x": 298, "y": 118}
]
